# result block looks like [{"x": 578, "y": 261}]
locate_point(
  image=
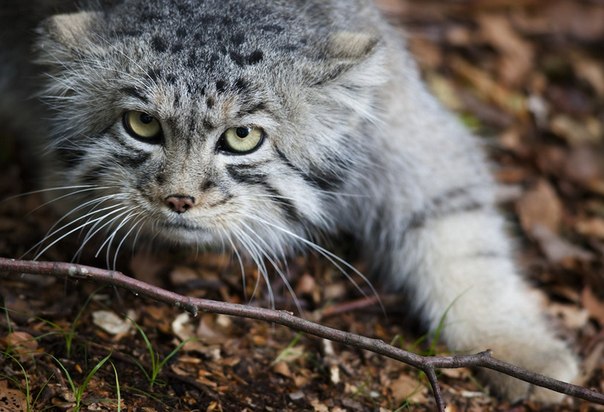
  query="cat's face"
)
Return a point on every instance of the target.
[{"x": 196, "y": 128}]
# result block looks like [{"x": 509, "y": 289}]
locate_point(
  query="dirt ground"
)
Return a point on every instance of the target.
[{"x": 528, "y": 75}]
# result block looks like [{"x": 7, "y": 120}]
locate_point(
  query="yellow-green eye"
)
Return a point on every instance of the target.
[
  {"x": 142, "y": 126},
  {"x": 242, "y": 140}
]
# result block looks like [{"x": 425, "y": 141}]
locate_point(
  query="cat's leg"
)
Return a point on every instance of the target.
[{"x": 464, "y": 271}]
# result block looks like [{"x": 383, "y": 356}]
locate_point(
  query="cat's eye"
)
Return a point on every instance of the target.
[
  {"x": 142, "y": 126},
  {"x": 241, "y": 140}
]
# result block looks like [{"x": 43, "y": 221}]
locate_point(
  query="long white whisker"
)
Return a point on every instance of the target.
[
  {"x": 256, "y": 257},
  {"x": 76, "y": 229},
  {"x": 241, "y": 267},
  {"x": 119, "y": 246},
  {"x": 124, "y": 221},
  {"x": 109, "y": 223},
  {"x": 52, "y": 231},
  {"x": 51, "y": 189},
  {"x": 138, "y": 232},
  {"x": 96, "y": 202},
  {"x": 267, "y": 255},
  {"x": 333, "y": 258},
  {"x": 65, "y": 196},
  {"x": 92, "y": 231}
]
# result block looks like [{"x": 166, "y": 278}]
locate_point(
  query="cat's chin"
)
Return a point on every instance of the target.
[{"x": 186, "y": 235}]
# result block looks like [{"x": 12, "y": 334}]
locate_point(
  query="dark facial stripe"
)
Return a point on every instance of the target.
[
  {"x": 92, "y": 176},
  {"x": 134, "y": 159},
  {"x": 247, "y": 177},
  {"x": 70, "y": 157},
  {"x": 134, "y": 92},
  {"x": 286, "y": 205},
  {"x": 321, "y": 179},
  {"x": 227, "y": 198},
  {"x": 253, "y": 108},
  {"x": 419, "y": 219},
  {"x": 260, "y": 179}
]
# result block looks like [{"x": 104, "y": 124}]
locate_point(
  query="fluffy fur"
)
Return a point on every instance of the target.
[{"x": 354, "y": 143}]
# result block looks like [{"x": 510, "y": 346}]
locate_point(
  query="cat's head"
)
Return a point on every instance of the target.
[{"x": 209, "y": 121}]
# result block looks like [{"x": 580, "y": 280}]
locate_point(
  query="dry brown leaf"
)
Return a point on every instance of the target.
[
  {"x": 319, "y": 406},
  {"x": 282, "y": 368},
  {"x": 556, "y": 249},
  {"x": 584, "y": 165},
  {"x": 181, "y": 275},
  {"x": 593, "y": 361},
  {"x": 426, "y": 52},
  {"x": 408, "y": 388},
  {"x": 591, "y": 227},
  {"x": 11, "y": 400},
  {"x": 458, "y": 373},
  {"x": 572, "y": 317},
  {"x": 540, "y": 206},
  {"x": 577, "y": 132},
  {"x": 589, "y": 70},
  {"x": 23, "y": 344},
  {"x": 517, "y": 55},
  {"x": 489, "y": 89},
  {"x": 593, "y": 305},
  {"x": 577, "y": 19}
]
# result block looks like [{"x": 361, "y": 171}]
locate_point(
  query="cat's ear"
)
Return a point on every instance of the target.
[
  {"x": 344, "y": 53},
  {"x": 351, "y": 47},
  {"x": 67, "y": 32}
]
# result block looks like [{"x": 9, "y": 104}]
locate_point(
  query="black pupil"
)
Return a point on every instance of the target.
[
  {"x": 145, "y": 118},
  {"x": 242, "y": 132}
]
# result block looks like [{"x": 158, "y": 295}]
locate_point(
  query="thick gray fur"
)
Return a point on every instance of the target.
[{"x": 354, "y": 143}]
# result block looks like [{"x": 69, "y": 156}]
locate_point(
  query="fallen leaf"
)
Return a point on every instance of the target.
[
  {"x": 556, "y": 249},
  {"x": 571, "y": 317},
  {"x": 181, "y": 275},
  {"x": 282, "y": 368},
  {"x": 591, "y": 227},
  {"x": 407, "y": 388},
  {"x": 540, "y": 206},
  {"x": 593, "y": 361},
  {"x": 23, "y": 344},
  {"x": 318, "y": 406},
  {"x": 593, "y": 305},
  {"x": 111, "y": 322},
  {"x": 517, "y": 55},
  {"x": 577, "y": 132},
  {"x": 11, "y": 400},
  {"x": 589, "y": 70},
  {"x": 584, "y": 165}
]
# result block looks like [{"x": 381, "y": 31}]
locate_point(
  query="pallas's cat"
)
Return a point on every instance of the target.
[{"x": 266, "y": 125}]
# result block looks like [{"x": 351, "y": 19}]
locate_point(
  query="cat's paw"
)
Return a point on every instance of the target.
[{"x": 548, "y": 357}]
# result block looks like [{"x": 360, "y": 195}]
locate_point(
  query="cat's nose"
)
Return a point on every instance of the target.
[{"x": 179, "y": 203}]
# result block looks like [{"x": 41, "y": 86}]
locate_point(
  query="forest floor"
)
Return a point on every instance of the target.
[{"x": 528, "y": 75}]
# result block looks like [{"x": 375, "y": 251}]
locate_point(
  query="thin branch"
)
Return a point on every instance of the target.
[{"x": 193, "y": 305}]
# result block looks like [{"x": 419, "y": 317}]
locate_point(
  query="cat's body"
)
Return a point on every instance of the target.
[{"x": 272, "y": 123}]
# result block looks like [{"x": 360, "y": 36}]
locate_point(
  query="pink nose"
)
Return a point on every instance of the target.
[{"x": 179, "y": 203}]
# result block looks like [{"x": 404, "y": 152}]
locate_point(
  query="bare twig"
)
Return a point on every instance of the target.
[{"x": 428, "y": 364}]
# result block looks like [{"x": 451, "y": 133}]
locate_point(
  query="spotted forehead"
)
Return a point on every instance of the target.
[{"x": 203, "y": 35}]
